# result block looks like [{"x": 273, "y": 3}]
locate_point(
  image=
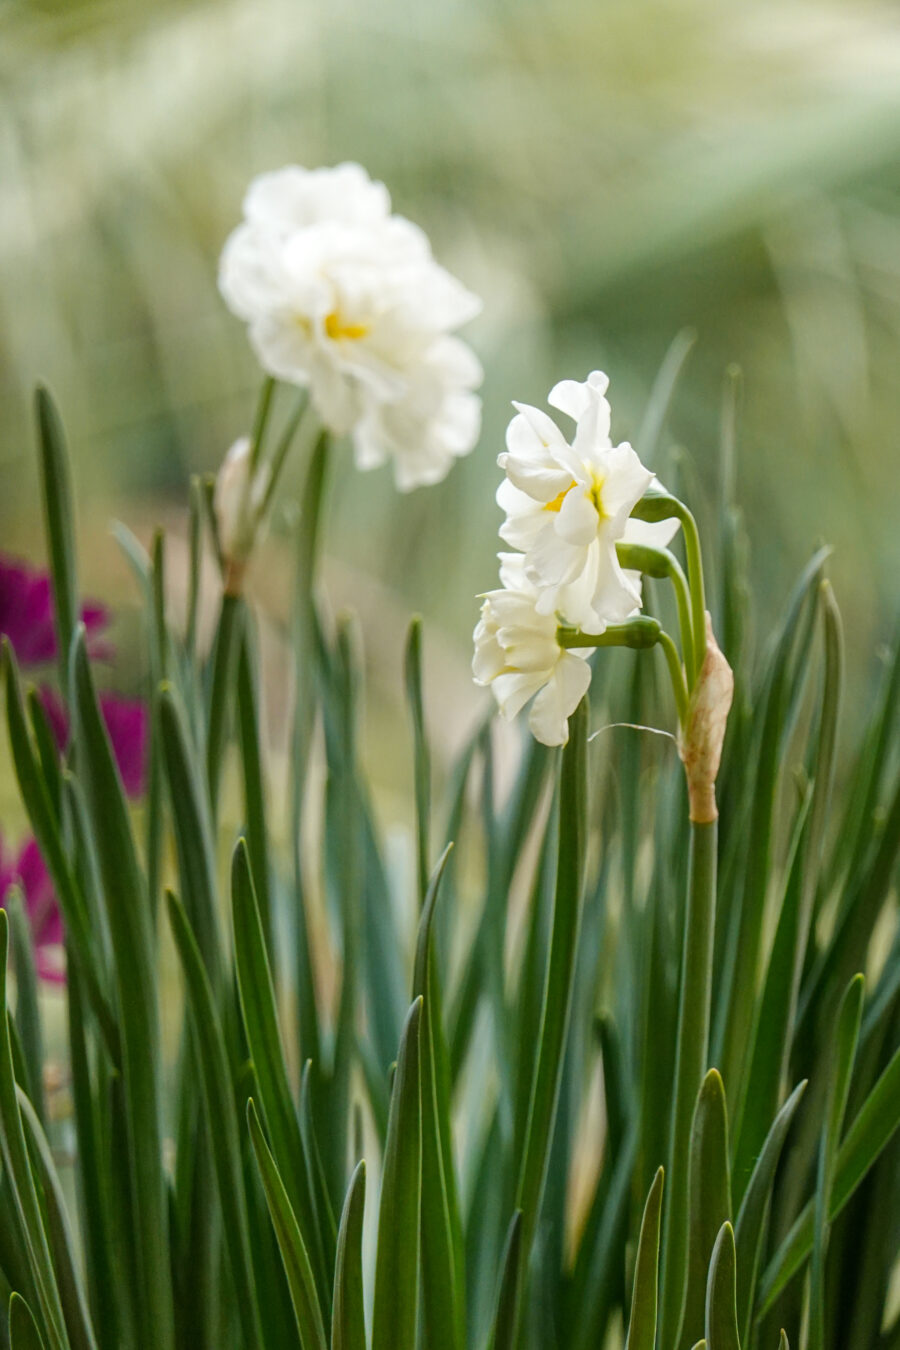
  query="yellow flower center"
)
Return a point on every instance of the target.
[
  {"x": 336, "y": 327},
  {"x": 594, "y": 492}
]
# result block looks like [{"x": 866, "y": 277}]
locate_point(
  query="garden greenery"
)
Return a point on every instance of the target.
[{"x": 377, "y": 1137}]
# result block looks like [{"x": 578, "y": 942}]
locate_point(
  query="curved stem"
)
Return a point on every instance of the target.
[
  {"x": 263, "y": 408},
  {"x": 695, "y": 582},
  {"x": 302, "y": 413},
  {"x": 670, "y": 651}
]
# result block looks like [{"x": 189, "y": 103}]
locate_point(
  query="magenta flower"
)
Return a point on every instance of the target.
[
  {"x": 26, "y": 614},
  {"x": 26, "y": 618}
]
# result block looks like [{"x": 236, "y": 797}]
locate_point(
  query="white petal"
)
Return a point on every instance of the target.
[
  {"x": 559, "y": 698},
  {"x": 577, "y": 521},
  {"x": 626, "y": 479}
]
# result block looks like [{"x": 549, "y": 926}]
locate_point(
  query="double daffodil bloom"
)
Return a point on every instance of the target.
[
  {"x": 569, "y": 504},
  {"x": 518, "y": 654}
]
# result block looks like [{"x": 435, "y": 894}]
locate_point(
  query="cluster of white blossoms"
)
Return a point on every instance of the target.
[
  {"x": 568, "y": 505},
  {"x": 346, "y": 300}
]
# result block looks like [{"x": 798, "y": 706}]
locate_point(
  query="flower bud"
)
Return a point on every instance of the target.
[
  {"x": 701, "y": 738},
  {"x": 236, "y": 511}
]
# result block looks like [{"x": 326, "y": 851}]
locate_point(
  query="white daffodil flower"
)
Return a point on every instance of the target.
[
  {"x": 518, "y": 655},
  {"x": 568, "y": 505},
  {"x": 345, "y": 299}
]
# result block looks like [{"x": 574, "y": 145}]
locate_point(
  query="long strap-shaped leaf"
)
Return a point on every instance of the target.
[
  {"x": 642, "y": 1322},
  {"x": 843, "y": 1056},
  {"x": 559, "y": 978},
  {"x": 221, "y": 1115},
  {"x": 59, "y": 1235},
  {"x": 134, "y": 948},
  {"x": 59, "y": 518},
  {"x": 18, "y": 1169},
  {"x": 348, "y": 1320},
  {"x": 721, "y": 1295},
  {"x": 422, "y": 759},
  {"x": 511, "y": 1275},
  {"x": 257, "y": 996},
  {"x": 710, "y": 1196},
  {"x": 748, "y": 1231},
  {"x": 443, "y": 1274},
  {"x": 397, "y": 1256},
  {"x": 872, "y": 1130},
  {"x": 23, "y": 1330},
  {"x": 290, "y": 1241}
]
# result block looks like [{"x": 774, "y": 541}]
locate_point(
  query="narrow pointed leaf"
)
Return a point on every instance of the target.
[
  {"x": 421, "y": 753},
  {"x": 397, "y": 1254},
  {"x": 721, "y": 1308},
  {"x": 290, "y": 1242},
  {"x": 503, "y": 1330},
  {"x": 211, "y": 1063},
  {"x": 710, "y": 1202},
  {"x": 642, "y": 1322},
  {"x": 348, "y": 1325},
  {"x": 23, "y": 1330},
  {"x": 59, "y": 518}
]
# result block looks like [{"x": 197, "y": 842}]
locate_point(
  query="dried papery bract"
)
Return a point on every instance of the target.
[{"x": 701, "y": 737}]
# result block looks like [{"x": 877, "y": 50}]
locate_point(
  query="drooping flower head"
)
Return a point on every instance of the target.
[
  {"x": 345, "y": 299},
  {"x": 568, "y": 504},
  {"x": 518, "y": 654}
]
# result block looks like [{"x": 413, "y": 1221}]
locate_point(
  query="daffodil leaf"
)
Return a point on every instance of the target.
[
  {"x": 248, "y": 709},
  {"x": 751, "y": 1219},
  {"x": 28, "y": 1016},
  {"x": 395, "y": 1312},
  {"x": 721, "y": 1309},
  {"x": 422, "y": 754},
  {"x": 503, "y": 1329},
  {"x": 443, "y": 1273},
  {"x": 23, "y": 1330},
  {"x": 222, "y": 683},
  {"x": 348, "y": 1325},
  {"x": 224, "y": 1138},
  {"x": 710, "y": 1194},
  {"x": 18, "y": 1169},
  {"x": 257, "y": 999},
  {"x": 642, "y": 1322},
  {"x": 290, "y": 1241},
  {"x": 127, "y": 911},
  {"x": 59, "y": 521},
  {"x": 845, "y": 1041}
]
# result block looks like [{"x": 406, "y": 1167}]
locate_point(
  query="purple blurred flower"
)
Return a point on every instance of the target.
[
  {"x": 26, "y": 618},
  {"x": 27, "y": 869},
  {"x": 26, "y": 614}
]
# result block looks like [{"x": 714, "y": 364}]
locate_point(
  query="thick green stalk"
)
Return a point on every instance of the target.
[{"x": 690, "y": 1064}]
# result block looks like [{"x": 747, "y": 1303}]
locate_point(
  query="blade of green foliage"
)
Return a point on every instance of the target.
[
  {"x": 223, "y": 1135},
  {"x": 843, "y": 1056},
  {"x": 661, "y": 393},
  {"x": 18, "y": 1169},
  {"x": 257, "y": 997},
  {"x": 503, "y": 1329},
  {"x": 59, "y": 518},
  {"x": 690, "y": 1064},
  {"x": 45, "y": 824},
  {"x": 872, "y": 1129},
  {"x": 290, "y": 1241},
  {"x": 557, "y": 997},
  {"x": 193, "y": 835},
  {"x": 751, "y": 1219},
  {"x": 224, "y": 661},
  {"x": 348, "y": 1324},
  {"x": 421, "y": 752},
  {"x": 23, "y": 1330},
  {"x": 59, "y": 1235},
  {"x": 248, "y": 711},
  {"x": 642, "y": 1321},
  {"x": 710, "y": 1196},
  {"x": 772, "y": 1036},
  {"x": 721, "y": 1310},
  {"x": 397, "y": 1255},
  {"x": 128, "y": 916},
  {"x": 739, "y": 983},
  {"x": 443, "y": 1274},
  {"x": 28, "y": 1017}
]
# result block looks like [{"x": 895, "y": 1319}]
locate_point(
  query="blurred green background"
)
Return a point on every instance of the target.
[{"x": 604, "y": 174}]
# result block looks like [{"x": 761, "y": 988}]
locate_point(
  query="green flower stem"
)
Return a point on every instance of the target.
[
  {"x": 695, "y": 582},
  {"x": 263, "y": 408},
  {"x": 679, "y": 689},
  {"x": 690, "y": 1065},
  {"x": 664, "y": 566},
  {"x": 224, "y": 669},
  {"x": 301, "y": 416}
]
